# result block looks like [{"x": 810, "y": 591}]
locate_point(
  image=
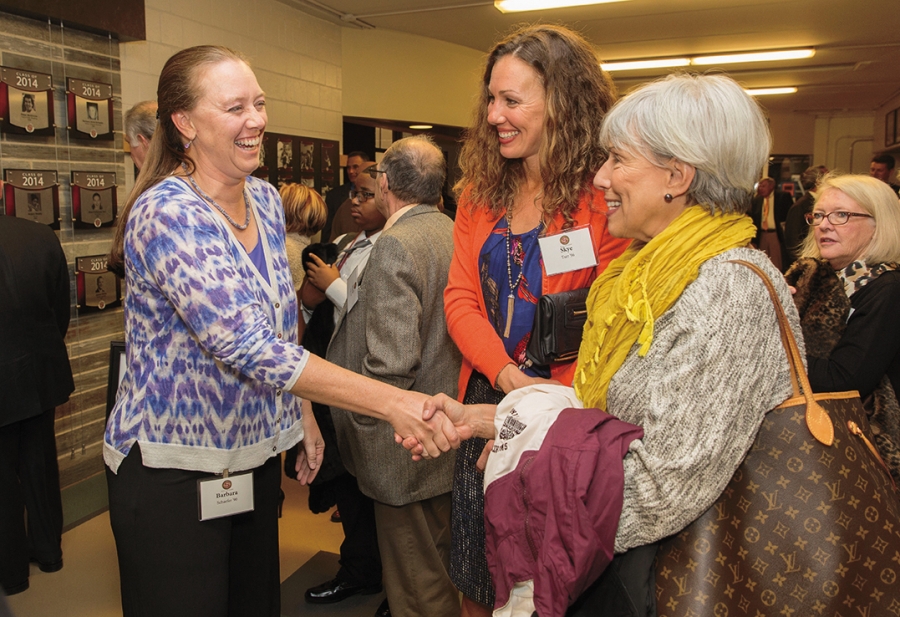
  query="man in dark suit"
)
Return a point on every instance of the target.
[
  {"x": 393, "y": 329},
  {"x": 769, "y": 210},
  {"x": 335, "y": 197},
  {"x": 35, "y": 377}
]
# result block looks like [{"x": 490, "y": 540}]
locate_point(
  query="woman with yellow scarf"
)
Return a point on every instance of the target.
[{"x": 679, "y": 340}]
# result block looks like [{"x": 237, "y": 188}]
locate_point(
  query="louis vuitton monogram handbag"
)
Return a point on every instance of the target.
[{"x": 809, "y": 525}]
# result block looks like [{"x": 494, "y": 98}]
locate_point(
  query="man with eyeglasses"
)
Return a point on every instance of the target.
[
  {"x": 394, "y": 331},
  {"x": 344, "y": 222}
]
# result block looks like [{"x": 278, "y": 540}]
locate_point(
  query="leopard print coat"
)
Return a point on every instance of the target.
[{"x": 824, "y": 307}]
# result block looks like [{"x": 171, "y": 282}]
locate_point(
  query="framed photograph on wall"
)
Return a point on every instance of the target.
[
  {"x": 32, "y": 194},
  {"x": 890, "y": 128},
  {"x": 26, "y": 102},
  {"x": 96, "y": 287},
  {"x": 93, "y": 199},
  {"x": 116, "y": 372},
  {"x": 90, "y": 109}
]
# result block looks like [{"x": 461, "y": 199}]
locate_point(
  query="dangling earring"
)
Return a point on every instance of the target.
[
  {"x": 668, "y": 197},
  {"x": 188, "y": 144}
]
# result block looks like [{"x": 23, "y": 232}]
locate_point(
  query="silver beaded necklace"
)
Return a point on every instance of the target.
[{"x": 217, "y": 206}]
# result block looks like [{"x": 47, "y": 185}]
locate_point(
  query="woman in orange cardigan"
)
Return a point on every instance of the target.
[{"x": 527, "y": 163}]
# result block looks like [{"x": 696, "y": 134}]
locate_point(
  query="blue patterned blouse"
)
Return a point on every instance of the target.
[
  {"x": 524, "y": 257},
  {"x": 211, "y": 347}
]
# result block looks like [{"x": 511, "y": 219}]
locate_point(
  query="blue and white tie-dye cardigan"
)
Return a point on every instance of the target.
[{"x": 211, "y": 347}]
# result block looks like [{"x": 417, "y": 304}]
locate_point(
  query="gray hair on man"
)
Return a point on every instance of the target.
[
  {"x": 415, "y": 169},
  {"x": 706, "y": 121},
  {"x": 140, "y": 120}
]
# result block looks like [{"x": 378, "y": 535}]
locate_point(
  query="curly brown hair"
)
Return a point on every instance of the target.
[{"x": 578, "y": 94}]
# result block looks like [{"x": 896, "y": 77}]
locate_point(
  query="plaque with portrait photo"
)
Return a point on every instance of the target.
[
  {"x": 93, "y": 199},
  {"x": 329, "y": 158},
  {"x": 90, "y": 109},
  {"x": 97, "y": 288},
  {"x": 32, "y": 194},
  {"x": 307, "y": 155},
  {"x": 26, "y": 102},
  {"x": 285, "y": 153}
]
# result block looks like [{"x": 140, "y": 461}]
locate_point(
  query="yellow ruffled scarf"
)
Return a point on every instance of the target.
[{"x": 643, "y": 283}]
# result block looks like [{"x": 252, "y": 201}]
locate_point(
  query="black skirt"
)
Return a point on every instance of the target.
[{"x": 468, "y": 561}]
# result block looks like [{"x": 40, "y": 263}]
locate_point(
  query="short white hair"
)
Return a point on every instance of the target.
[{"x": 706, "y": 121}]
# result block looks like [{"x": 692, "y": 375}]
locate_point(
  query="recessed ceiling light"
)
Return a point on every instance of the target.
[
  {"x": 513, "y": 6},
  {"x": 636, "y": 65},
  {"x": 421, "y": 127},
  {"x": 765, "y": 91},
  {"x": 762, "y": 56}
]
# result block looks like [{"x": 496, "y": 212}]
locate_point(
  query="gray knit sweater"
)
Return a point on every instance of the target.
[{"x": 715, "y": 367}]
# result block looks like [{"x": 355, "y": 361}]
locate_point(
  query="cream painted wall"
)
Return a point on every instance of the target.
[
  {"x": 844, "y": 143},
  {"x": 397, "y": 76},
  {"x": 297, "y": 57},
  {"x": 792, "y": 133}
]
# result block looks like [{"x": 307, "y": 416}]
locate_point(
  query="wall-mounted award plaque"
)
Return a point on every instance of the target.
[
  {"x": 32, "y": 194},
  {"x": 93, "y": 199},
  {"x": 26, "y": 102},
  {"x": 97, "y": 287},
  {"x": 90, "y": 109}
]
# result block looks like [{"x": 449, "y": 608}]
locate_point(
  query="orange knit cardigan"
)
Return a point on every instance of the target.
[{"x": 467, "y": 320}]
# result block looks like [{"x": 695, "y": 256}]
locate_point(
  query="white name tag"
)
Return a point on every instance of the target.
[
  {"x": 568, "y": 251},
  {"x": 352, "y": 289},
  {"x": 225, "y": 496}
]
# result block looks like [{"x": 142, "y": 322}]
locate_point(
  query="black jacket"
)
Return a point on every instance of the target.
[{"x": 34, "y": 316}]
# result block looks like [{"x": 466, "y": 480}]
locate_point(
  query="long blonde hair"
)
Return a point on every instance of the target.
[
  {"x": 578, "y": 94},
  {"x": 178, "y": 90}
]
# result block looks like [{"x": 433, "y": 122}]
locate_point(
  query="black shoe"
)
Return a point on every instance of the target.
[
  {"x": 384, "y": 610},
  {"x": 48, "y": 566},
  {"x": 336, "y": 590},
  {"x": 336, "y": 516},
  {"x": 14, "y": 588}
]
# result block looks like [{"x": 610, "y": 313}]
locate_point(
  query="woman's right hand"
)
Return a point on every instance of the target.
[{"x": 320, "y": 273}]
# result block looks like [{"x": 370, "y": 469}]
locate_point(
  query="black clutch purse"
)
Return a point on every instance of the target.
[{"x": 558, "y": 326}]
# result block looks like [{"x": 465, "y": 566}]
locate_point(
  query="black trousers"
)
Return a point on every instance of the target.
[
  {"x": 171, "y": 564},
  {"x": 29, "y": 481},
  {"x": 360, "y": 559}
]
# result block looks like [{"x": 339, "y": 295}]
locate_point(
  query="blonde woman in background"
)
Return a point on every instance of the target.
[{"x": 304, "y": 216}]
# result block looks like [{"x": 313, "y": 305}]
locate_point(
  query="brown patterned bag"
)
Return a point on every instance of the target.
[{"x": 809, "y": 525}]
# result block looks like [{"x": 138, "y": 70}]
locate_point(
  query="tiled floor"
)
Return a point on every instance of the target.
[{"x": 88, "y": 585}]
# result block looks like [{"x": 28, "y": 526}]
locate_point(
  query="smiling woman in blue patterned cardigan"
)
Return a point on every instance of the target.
[{"x": 214, "y": 374}]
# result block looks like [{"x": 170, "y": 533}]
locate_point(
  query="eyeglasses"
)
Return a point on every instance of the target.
[
  {"x": 838, "y": 217},
  {"x": 361, "y": 196},
  {"x": 373, "y": 172}
]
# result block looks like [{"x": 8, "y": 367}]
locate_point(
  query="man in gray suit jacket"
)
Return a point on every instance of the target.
[{"x": 392, "y": 329}]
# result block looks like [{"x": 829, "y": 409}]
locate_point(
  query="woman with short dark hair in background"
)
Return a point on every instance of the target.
[{"x": 527, "y": 164}]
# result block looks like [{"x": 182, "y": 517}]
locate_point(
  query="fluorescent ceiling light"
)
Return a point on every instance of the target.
[
  {"x": 763, "y": 56},
  {"x": 513, "y": 6},
  {"x": 636, "y": 65},
  {"x": 421, "y": 127},
  {"x": 765, "y": 91}
]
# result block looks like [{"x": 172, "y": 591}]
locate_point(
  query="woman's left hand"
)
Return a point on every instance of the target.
[{"x": 312, "y": 450}]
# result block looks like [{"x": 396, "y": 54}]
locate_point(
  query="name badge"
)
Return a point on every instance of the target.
[
  {"x": 568, "y": 250},
  {"x": 352, "y": 289},
  {"x": 225, "y": 496}
]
